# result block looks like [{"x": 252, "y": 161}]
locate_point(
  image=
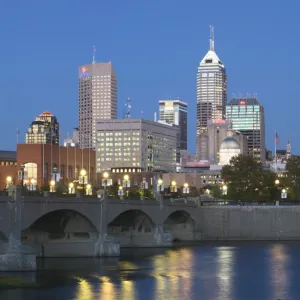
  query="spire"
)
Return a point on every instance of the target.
[
  {"x": 212, "y": 39},
  {"x": 94, "y": 52}
]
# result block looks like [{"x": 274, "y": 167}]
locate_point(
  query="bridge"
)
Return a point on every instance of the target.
[{"x": 69, "y": 226}]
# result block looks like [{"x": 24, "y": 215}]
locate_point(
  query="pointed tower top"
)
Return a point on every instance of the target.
[
  {"x": 212, "y": 39},
  {"x": 94, "y": 52}
]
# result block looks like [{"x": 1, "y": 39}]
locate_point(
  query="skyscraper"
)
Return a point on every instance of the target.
[
  {"x": 97, "y": 99},
  {"x": 43, "y": 130},
  {"x": 174, "y": 112},
  {"x": 211, "y": 94},
  {"x": 247, "y": 116}
]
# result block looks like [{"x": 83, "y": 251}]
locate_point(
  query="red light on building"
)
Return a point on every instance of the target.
[
  {"x": 242, "y": 102},
  {"x": 218, "y": 121}
]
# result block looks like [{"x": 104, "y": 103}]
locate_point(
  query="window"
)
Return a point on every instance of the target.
[{"x": 30, "y": 171}]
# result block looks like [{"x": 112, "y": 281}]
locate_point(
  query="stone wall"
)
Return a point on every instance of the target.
[{"x": 249, "y": 223}]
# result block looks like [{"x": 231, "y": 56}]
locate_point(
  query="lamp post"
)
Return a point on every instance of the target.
[
  {"x": 83, "y": 179},
  {"x": 283, "y": 194},
  {"x": 89, "y": 190},
  {"x": 106, "y": 182},
  {"x": 71, "y": 188},
  {"x": 186, "y": 190},
  {"x": 173, "y": 188},
  {"x": 126, "y": 184},
  {"x": 8, "y": 181},
  {"x": 32, "y": 184},
  {"x": 144, "y": 186},
  {"x": 22, "y": 175},
  {"x": 52, "y": 187},
  {"x": 277, "y": 189},
  {"x": 120, "y": 192},
  {"x": 224, "y": 190},
  {"x": 160, "y": 187}
]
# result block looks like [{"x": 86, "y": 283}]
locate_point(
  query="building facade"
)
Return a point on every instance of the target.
[
  {"x": 211, "y": 94},
  {"x": 72, "y": 141},
  {"x": 43, "y": 130},
  {"x": 97, "y": 99},
  {"x": 8, "y": 166},
  {"x": 248, "y": 117},
  {"x": 174, "y": 112},
  {"x": 136, "y": 144},
  {"x": 42, "y": 161}
]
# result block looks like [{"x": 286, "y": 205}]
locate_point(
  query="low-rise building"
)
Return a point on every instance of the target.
[
  {"x": 37, "y": 160},
  {"x": 136, "y": 144}
]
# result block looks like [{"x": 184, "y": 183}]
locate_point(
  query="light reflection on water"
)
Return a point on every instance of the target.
[
  {"x": 279, "y": 271},
  {"x": 208, "y": 272}
]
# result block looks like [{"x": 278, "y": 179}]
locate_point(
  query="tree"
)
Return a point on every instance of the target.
[
  {"x": 216, "y": 191},
  {"x": 247, "y": 180},
  {"x": 292, "y": 181}
]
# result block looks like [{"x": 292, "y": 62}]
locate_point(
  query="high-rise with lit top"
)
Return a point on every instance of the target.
[
  {"x": 211, "y": 94},
  {"x": 97, "y": 95}
]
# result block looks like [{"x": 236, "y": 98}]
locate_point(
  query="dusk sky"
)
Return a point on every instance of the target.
[{"x": 155, "y": 47}]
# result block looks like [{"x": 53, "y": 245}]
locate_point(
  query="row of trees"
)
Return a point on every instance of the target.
[{"x": 246, "y": 179}]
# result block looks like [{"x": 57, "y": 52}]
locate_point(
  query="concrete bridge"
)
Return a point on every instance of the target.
[{"x": 67, "y": 226}]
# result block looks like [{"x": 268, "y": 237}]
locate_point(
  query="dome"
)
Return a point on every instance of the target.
[{"x": 229, "y": 143}]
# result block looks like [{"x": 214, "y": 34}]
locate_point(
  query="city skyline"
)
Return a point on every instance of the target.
[{"x": 239, "y": 48}]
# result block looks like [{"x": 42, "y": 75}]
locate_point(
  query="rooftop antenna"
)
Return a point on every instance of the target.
[
  {"x": 212, "y": 39},
  {"x": 128, "y": 108},
  {"x": 94, "y": 52}
]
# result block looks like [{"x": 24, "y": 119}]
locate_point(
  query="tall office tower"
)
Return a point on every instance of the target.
[
  {"x": 97, "y": 99},
  {"x": 43, "y": 130},
  {"x": 211, "y": 94},
  {"x": 174, "y": 112},
  {"x": 247, "y": 116}
]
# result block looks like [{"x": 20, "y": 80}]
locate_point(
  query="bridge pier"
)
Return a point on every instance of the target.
[{"x": 16, "y": 257}]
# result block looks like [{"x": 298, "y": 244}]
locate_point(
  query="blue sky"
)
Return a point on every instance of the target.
[{"x": 155, "y": 47}]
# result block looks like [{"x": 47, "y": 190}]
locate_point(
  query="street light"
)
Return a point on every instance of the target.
[
  {"x": 186, "y": 189},
  {"x": 173, "y": 187},
  {"x": 71, "y": 188},
  {"x": 22, "y": 174},
  {"x": 160, "y": 186},
  {"x": 224, "y": 188},
  {"x": 32, "y": 184},
  {"x": 144, "y": 186},
  {"x": 126, "y": 183},
  {"x": 105, "y": 182},
  {"x": 83, "y": 179},
  {"x": 8, "y": 181},
  {"x": 52, "y": 186},
  {"x": 120, "y": 192},
  {"x": 277, "y": 181},
  {"x": 89, "y": 189}
]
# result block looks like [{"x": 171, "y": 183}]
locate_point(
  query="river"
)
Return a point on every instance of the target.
[{"x": 210, "y": 271}]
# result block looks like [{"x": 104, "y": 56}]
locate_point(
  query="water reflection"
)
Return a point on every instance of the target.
[
  {"x": 107, "y": 288},
  {"x": 127, "y": 290},
  {"x": 84, "y": 290},
  {"x": 225, "y": 274},
  {"x": 173, "y": 274},
  {"x": 279, "y": 274}
]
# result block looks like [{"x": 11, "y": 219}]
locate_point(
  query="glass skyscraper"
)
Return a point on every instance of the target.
[
  {"x": 211, "y": 94},
  {"x": 247, "y": 116}
]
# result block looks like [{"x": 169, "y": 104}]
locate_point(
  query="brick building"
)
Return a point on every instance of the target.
[
  {"x": 8, "y": 166},
  {"x": 66, "y": 161}
]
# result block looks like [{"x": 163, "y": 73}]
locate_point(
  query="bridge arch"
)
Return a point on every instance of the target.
[
  {"x": 132, "y": 221},
  {"x": 181, "y": 225},
  {"x": 61, "y": 221}
]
